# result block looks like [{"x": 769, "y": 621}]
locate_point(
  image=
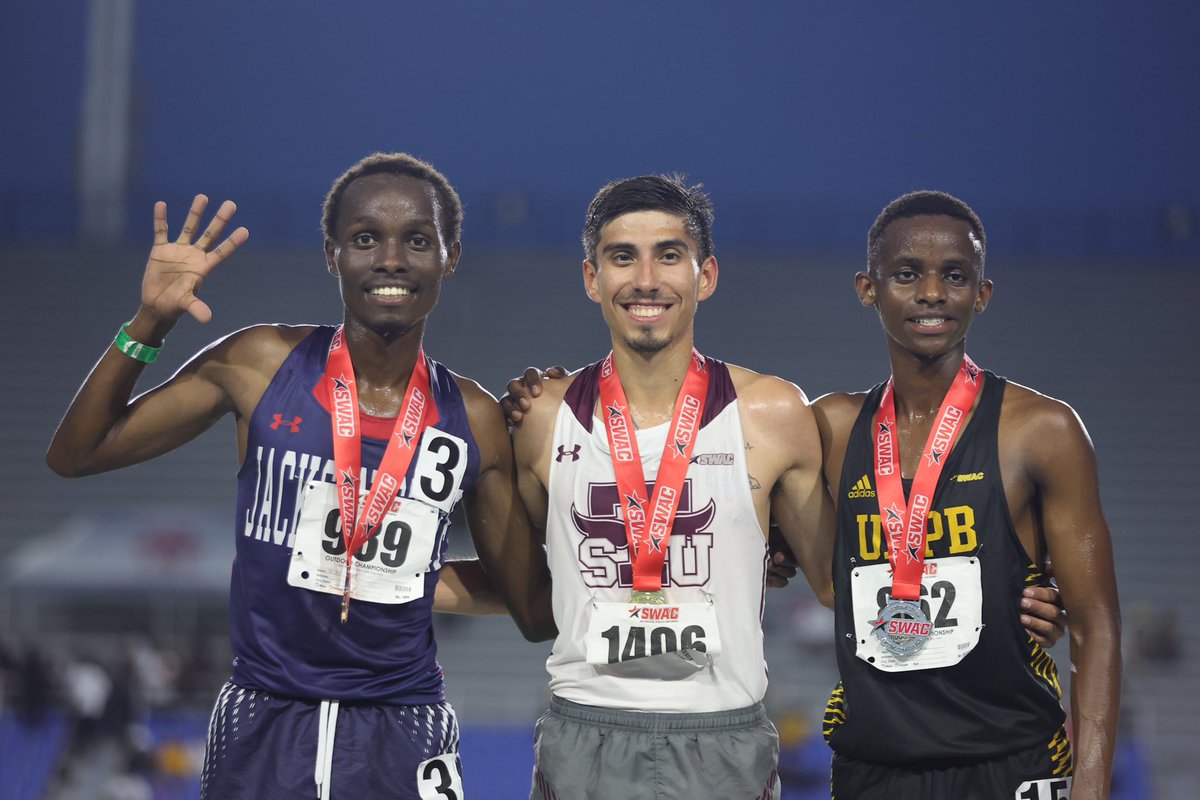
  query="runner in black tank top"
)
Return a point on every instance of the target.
[
  {"x": 947, "y": 713},
  {"x": 974, "y": 713}
]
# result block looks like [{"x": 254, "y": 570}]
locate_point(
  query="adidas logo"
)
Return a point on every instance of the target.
[{"x": 861, "y": 489}]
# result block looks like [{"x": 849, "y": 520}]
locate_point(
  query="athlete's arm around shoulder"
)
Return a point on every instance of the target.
[
  {"x": 1049, "y": 443},
  {"x": 836, "y": 413},
  {"x": 104, "y": 430},
  {"x": 784, "y": 458},
  {"x": 532, "y": 440},
  {"x": 509, "y": 550}
]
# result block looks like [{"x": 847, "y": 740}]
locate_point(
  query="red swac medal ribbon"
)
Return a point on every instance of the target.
[
  {"x": 416, "y": 413},
  {"x": 648, "y": 536},
  {"x": 904, "y": 523}
]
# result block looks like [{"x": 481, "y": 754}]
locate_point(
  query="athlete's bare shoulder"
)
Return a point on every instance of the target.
[
  {"x": 838, "y": 410},
  {"x": 777, "y": 424},
  {"x": 841, "y": 402},
  {"x": 767, "y": 394},
  {"x": 1037, "y": 424},
  {"x": 244, "y": 362},
  {"x": 486, "y": 421},
  {"x": 836, "y": 413},
  {"x": 1027, "y": 411},
  {"x": 481, "y": 404},
  {"x": 263, "y": 346}
]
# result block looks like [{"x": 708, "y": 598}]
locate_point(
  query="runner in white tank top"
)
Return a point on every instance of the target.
[
  {"x": 663, "y": 700},
  {"x": 717, "y": 552}
]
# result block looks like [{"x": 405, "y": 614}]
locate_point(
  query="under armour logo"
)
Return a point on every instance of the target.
[
  {"x": 293, "y": 424},
  {"x": 564, "y": 452}
]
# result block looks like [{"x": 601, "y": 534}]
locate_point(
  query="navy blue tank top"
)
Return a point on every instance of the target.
[{"x": 288, "y": 640}]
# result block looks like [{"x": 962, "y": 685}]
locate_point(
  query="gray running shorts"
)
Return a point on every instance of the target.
[{"x": 589, "y": 753}]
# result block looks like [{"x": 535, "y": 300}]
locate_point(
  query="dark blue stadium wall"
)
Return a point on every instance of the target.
[{"x": 1072, "y": 127}]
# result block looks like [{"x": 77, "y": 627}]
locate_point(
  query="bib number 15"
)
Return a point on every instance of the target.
[{"x": 1045, "y": 789}]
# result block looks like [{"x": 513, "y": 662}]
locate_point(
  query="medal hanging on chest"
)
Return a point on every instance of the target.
[
  {"x": 648, "y": 521},
  {"x": 417, "y": 412},
  {"x": 902, "y": 626}
]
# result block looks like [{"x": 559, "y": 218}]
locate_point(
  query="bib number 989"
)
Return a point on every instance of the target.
[{"x": 390, "y": 545}]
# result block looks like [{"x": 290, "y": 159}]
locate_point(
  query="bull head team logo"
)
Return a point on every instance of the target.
[{"x": 604, "y": 549}]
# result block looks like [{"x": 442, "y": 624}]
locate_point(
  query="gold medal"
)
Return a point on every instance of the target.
[{"x": 644, "y": 598}]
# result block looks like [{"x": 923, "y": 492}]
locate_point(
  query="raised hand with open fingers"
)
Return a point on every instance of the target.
[{"x": 176, "y": 269}]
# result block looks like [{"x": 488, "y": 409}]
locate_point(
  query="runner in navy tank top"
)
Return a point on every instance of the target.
[
  {"x": 382, "y": 652},
  {"x": 349, "y": 439},
  {"x": 949, "y": 697}
]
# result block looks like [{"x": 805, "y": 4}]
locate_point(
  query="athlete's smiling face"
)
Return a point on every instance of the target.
[
  {"x": 389, "y": 252},
  {"x": 648, "y": 280},
  {"x": 926, "y": 281}
]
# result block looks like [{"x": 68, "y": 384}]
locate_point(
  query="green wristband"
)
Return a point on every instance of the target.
[{"x": 134, "y": 349}]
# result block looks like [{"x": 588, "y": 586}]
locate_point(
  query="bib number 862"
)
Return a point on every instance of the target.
[{"x": 660, "y": 639}]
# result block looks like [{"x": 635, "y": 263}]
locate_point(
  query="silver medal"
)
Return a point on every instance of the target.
[{"x": 902, "y": 627}]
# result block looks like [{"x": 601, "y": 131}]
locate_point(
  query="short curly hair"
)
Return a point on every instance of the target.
[
  {"x": 396, "y": 164},
  {"x": 925, "y": 202}
]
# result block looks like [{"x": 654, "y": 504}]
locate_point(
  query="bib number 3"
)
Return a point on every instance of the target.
[{"x": 439, "y": 779}]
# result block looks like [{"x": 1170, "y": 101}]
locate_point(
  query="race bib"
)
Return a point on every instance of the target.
[
  {"x": 438, "y": 475},
  {"x": 951, "y": 599},
  {"x": 1045, "y": 789},
  {"x": 667, "y": 641},
  {"x": 390, "y": 567},
  {"x": 438, "y": 778}
]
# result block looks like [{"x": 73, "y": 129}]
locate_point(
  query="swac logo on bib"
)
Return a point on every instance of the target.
[
  {"x": 654, "y": 613},
  {"x": 861, "y": 489}
]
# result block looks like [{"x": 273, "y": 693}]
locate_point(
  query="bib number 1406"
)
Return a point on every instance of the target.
[
  {"x": 641, "y": 641},
  {"x": 624, "y": 632}
]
